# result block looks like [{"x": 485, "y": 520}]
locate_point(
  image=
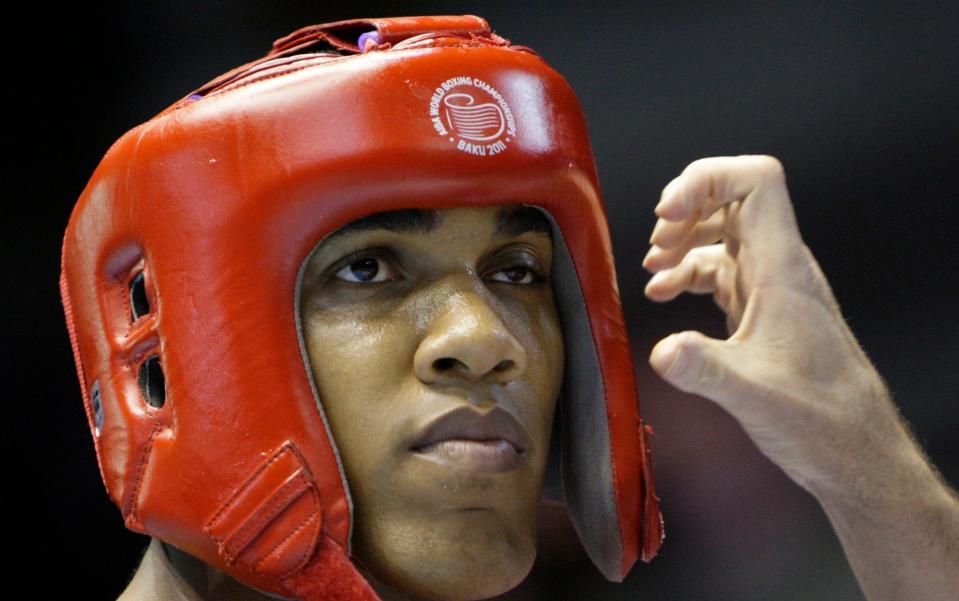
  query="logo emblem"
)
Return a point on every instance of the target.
[{"x": 473, "y": 116}]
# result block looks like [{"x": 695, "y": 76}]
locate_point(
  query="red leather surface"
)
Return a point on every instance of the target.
[
  {"x": 392, "y": 30},
  {"x": 220, "y": 200}
]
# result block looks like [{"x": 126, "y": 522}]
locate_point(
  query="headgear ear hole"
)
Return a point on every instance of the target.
[
  {"x": 152, "y": 382},
  {"x": 139, "y": 300},
  {"x": 97, "y": 408}
]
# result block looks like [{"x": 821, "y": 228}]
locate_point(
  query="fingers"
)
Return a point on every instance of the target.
[
  {"x": 707, "y": 269},
  {"x": 709, "y": 183},
  {"x": 703, "y": 270},
  {"x": 668, "y": 234},
  {"x": 672, "y": 240},
  {"x": 757, "y": 213},
  {"x": 698, "y": 364}
]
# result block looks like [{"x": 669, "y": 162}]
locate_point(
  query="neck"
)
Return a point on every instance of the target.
[
  {"x": 212, "y": 584},
  {"x": 383, "y": 590}
]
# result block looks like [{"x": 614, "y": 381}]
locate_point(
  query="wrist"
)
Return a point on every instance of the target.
[
  {"x": 880, "y": 471},
  {"x": 873, "y": 459}
]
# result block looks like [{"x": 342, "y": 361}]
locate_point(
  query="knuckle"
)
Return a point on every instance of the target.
[
  {"x": 669, "y": 186},
  {"x": 694, "y": 258},
  {"x": 772, "y": 167},
  {"x": 699, "y": 165}
]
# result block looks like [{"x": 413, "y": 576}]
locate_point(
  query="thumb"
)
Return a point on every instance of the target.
[{"x": 694, "y": 363}]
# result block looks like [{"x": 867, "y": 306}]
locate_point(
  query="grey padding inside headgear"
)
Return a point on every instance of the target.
[
  {"x": 579, "y": 468},
  {"x": 316, "y": 394},
  {"x": 584, "y": 446}
]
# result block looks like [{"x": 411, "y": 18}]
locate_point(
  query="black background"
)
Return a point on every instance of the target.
[{"x": 858, "y": 100}]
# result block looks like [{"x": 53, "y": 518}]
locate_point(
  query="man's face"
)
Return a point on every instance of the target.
[{"x": 407, "y": 316}]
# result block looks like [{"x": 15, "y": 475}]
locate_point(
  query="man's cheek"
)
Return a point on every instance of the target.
[{"x": 347, "y": 342}]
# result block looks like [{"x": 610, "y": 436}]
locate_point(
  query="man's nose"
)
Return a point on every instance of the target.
[{"x": 467, "y": 340}]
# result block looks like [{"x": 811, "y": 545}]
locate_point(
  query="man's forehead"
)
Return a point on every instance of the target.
[{"x": 510, "y": 221}]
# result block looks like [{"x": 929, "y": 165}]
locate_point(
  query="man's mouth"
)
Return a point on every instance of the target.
[
  {"x": 468, "y": 440},
  {"x": 494, "y": 455}
]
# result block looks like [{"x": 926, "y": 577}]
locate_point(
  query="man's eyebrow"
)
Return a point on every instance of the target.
[
  {"x": 516, "y": 221},
  {"x": 510, "y": 222},
  {"x": 404, "y": 221}
]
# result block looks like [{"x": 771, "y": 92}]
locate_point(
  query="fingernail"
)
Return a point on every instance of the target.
[{"x": 675, "y": 370}]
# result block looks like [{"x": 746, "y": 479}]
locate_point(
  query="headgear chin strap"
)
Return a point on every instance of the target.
[{"x": 180, "y": 277}]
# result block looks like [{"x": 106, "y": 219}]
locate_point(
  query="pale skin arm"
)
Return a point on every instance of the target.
[{"x": 794, "y": 376}]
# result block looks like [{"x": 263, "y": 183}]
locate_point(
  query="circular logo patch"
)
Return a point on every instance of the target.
[{"x": 473, "y": 116}]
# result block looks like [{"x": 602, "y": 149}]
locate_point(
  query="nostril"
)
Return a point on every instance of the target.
[{"x": 445, "y": 363}]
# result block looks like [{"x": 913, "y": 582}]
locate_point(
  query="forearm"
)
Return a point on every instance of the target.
[{"x": 898, "y": 522}]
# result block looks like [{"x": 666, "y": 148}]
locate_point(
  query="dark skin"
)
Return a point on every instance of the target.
[{"x": 420, "y": 323}]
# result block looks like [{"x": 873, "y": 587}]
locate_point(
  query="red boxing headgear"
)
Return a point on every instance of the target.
[{"x": 180, "y": 284}]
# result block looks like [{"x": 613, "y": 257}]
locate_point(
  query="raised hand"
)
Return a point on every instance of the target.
[{"x": 792, "y": 373}]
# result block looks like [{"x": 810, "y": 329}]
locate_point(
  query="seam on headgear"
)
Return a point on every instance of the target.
[
  {"x": 308, "y": 550},
  {"x": 132, "y": 520},
  {"x": 229, "y": 87},
  {"x": 285, "y": 448},
  {"x": 78, "y": 362},
  {"x": 278, "y": 502},
  {"x": 241, "y": 84}
]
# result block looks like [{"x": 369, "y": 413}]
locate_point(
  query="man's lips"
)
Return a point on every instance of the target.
[{"x": 466, "y": 424}]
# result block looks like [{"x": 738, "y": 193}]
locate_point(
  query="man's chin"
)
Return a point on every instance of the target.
[{"x": 469, "y": 554}]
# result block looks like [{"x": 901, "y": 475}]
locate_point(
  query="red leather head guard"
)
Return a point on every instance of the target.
[{"x": 180, "y": 284}]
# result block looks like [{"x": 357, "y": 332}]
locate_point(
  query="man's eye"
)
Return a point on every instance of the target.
[
  {"x": 519, "y": 274},
  {"x": 377, "y": 268},
  {"x": 365, "y": 270}
]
